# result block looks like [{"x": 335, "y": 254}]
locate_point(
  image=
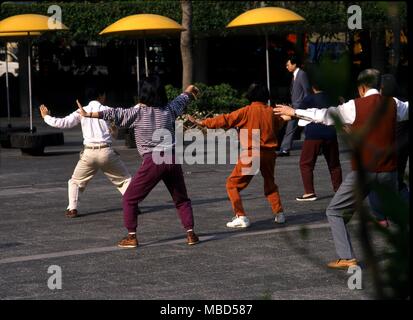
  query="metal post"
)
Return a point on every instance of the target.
[
  {"x": 7, "y": 87},
  {"x": 137, "y": 66},
  {"x": 268, "y": 67},
  {"x": 146, "y": 56},
  {"x": 30, "y": 85}
]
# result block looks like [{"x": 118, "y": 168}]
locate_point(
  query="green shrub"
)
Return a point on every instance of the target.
[{"x": 220, "y": 98}]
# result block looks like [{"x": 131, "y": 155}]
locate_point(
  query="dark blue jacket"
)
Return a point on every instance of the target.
[{"x": 317, "y": 131}]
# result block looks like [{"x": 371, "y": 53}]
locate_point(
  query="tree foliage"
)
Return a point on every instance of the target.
[{"x": 87, "y": 19}]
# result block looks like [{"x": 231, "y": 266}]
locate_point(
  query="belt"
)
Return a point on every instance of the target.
[{"x": 100, "y": 146}]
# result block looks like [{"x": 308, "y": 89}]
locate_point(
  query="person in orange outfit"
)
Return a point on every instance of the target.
[{"x": 256, "y": 115}]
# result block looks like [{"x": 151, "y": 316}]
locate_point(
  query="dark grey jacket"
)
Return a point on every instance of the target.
[{"x": 300, "y": 88}]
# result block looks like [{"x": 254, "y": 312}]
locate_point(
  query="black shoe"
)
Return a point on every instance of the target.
[
  {"x": 283, "y": 154},
  {"x": 310, "y": 197}
]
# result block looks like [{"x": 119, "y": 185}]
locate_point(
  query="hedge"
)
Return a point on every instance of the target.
[{"x": 86, "y": 19}]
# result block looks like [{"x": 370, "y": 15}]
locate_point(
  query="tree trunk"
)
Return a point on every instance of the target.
[{"x": 186, "y": 43}]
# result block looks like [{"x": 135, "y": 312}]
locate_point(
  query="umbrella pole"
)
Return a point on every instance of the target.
[
  {"x": 7, "y": 87},
  {"x": 30, "y": 85},
  {"x": 137, "y": 67},
  {"x": 268, "y": 67},
  {"x": 146, "y": 56}
]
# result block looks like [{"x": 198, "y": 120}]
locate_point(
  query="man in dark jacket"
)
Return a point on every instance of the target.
[{"x": 300, "y": 88}]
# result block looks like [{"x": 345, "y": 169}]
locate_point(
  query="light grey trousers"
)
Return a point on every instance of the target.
[
  {"x": 342, "y": 207},
  {"x": 288, "y": 139}
]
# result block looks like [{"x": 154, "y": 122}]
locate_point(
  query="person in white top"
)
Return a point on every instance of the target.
[
  {"x": 376, "y": 157},
  {"x": 97, "y": 153}
]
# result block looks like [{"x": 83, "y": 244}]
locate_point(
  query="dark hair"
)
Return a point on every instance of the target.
[
  {"x": 388, "y": 85},
  {"x": 370, "y": 78},
  {"x": 93, "y": 92},
  {"x": 294, "y": 60},
  {"x": 152, "y": 92},
  {"x": 257, "y": 92},
  {"x": 314, "y": 77}
]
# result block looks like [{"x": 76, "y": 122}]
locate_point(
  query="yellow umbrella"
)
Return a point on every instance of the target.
[
  {"x": 7, "y": 37},
  {"x": 142, "y": 25},
  {"x": 29, "y": 25},
  {"x": 265, "y": 16}
]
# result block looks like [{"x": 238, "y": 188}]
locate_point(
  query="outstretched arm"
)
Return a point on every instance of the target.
[
  {"x": 121, "y": 117},
  {"x": 67, "y": 122},
  {"x": 85, "y": 114},
  {"x": 346, "y": 112},
  {"x": 178, "y": 105},
  {"x": 236, "y": 118}
]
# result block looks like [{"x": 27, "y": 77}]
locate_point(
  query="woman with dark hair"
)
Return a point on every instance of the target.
[
  {"x": 257, "y": 115},
  {"x": 153, "y": 113}
]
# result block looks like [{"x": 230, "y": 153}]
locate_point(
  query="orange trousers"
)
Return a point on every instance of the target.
[{"x": 238, "y": 181}]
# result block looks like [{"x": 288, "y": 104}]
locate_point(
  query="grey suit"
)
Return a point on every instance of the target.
[{"x": 300, "y": 88}]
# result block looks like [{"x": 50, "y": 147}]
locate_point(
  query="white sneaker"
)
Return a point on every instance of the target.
[
  {"x": 280, "y": 218},
  {"x": 239, "y": 222}
]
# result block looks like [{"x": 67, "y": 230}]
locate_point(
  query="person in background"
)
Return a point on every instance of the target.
[
  {"x": 299, "y": 89},
  {"x": 319, "y": 139}
]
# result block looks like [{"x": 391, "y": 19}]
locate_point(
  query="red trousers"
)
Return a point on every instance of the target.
[
  {"x": 309, "y": 153},
  {"x": 237, "y": 182}
]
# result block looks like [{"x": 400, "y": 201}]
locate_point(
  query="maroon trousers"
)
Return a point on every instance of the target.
[
  {"x": 146, "y": 178},
  {"x": 309, "y": 153}
]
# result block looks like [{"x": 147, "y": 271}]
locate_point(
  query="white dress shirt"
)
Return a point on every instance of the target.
[
  {"x": 295, "y": 72},
  {"x": 95, "y": 131},
  {"x": 346, "y": 112}
]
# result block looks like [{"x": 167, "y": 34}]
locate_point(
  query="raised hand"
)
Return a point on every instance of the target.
[
  {"x": 194, "y": 120},
  {"x": 44, "y": 111},
  {"x": 82, "y": 111},
  {"x": 193, "y": 90}
]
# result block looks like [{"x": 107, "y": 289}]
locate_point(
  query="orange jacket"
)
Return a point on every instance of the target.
[{"x": 257, "y": 115}]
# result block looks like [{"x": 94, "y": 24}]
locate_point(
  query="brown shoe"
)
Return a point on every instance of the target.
[
  {"x": 342, "y": 263},
  {"x": 71, "y": 213},
  {"x": 191, "y": 238},
  {"x": 129, "y": 241}
]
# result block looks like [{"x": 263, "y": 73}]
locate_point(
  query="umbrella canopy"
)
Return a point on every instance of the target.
[
  {"x": 140, "y": 25},
  {"x": 28, "y": 24},
  {"x": 265, "y": 16},
  {"x": 261, "y": 17}
]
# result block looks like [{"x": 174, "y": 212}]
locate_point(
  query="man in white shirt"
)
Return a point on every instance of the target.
[
  {"x": 97, "y": 153},
  {"x": 377, "y": 155}
]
